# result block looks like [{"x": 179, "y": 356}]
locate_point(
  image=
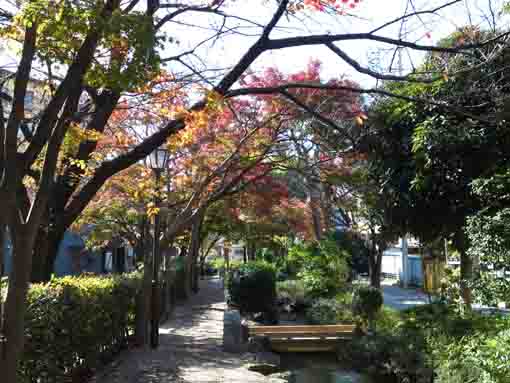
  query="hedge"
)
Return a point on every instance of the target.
[
  {"x": 253, "y": 288},
  {"x": 74, "y": 324}
]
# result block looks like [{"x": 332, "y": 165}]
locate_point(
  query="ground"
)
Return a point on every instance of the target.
[
  {"x": 400, "y": 299},
  {"x": 190, "y": 348}
]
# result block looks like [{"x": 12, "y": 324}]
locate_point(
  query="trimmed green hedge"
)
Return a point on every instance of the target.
[
  {"x": 253, "y": 289},
  {"x": 74, "y": 324}
]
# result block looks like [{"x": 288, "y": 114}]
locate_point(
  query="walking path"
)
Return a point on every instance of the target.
[
  {"x": 400, "y": 299},
  {"x": 190, "y": 348}
]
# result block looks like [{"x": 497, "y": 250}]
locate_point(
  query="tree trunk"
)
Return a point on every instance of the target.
[
  {"x": 326, "y": 209},
  {"x": 3, "y": 238},
  {"x": 23, "y": 242},
  {"x": 466, "y": 275},
  {"x": 374, "y": 265},
  {"x": 252, "y": 250},
  {"x": 45, "y": 253},
  {"x": 145, "y": 297},
  {"x": 466, "y": 269},
  {"x": 316, "y": 214},
  {"x": 193, "y": 252}
]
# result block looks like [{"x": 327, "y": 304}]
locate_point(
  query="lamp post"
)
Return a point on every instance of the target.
[{"x": 158, "y": 162}]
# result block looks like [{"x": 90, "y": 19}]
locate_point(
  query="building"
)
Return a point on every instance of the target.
[
  {"x": 73, "y": 258},
  {"x": 393, "y": 262}
]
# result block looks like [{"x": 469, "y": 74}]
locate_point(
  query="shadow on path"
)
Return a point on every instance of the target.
[{"x": 190, "y": 348}]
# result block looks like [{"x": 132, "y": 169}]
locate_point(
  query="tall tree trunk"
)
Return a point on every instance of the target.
[
  {"x": 145, "y": 297},
  {"x": 3, "y": 241},
  {"x": 45, "y": 253},
  {"x": 315, "y": 210},
  {"x": 374, "y": 264},
  {"x": 252, "y": 250},
  {"x": 23, "y": 240},
  {"x": 326, "y": 209},
  {"x": 194, "y": 250},
  {"x": 3, "y": 238},
  {"x": 466, "y": 268},
  {"x": 466, "y": 275}
]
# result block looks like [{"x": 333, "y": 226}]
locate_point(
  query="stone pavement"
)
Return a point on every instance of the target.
[{"x": 190, "y": 348}]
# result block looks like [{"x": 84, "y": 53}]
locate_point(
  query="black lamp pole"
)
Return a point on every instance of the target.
[
  {"x": 155, "y": 271},
  {"x": 160, "y": 159}
]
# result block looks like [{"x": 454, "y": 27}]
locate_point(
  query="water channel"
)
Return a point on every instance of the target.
[{"x": 319, "y": 368}]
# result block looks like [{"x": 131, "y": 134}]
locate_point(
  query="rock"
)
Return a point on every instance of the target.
[
  {"x": 232, "y": 331},
  {"x": 267, "y": 357},
  {"x": 264, "y": 369},
  {"x": 258, "y": 344}
]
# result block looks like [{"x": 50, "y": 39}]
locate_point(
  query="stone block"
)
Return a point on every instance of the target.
[{"x": 232, "y": 331}]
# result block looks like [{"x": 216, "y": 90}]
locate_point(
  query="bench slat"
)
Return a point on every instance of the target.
[{"x": 298, "y": 330}]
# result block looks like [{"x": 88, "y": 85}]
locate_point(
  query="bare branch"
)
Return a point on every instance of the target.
[
  {"x": 281, "y": 89},
  {"x": 324, "y": 39},
  {"x": 413, "y": 14}
]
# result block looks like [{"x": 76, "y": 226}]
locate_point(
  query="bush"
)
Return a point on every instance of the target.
[
  {"x": 292, "y": 290},
  {"x": 323, "y": 311},
  {"x": 253, "y": 287},
  {"x": 219, "y": 264},
  {"x": 398, "y": 355},
  {"x": 329, "y": 311},
  {"x": 75, "y": 323},
  {"x": 477, "y": 359},
  {"x": 322, "y": 267},
  {"x": 367, "y": 302}
]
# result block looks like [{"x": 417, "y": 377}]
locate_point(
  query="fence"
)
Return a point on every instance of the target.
[{"x": 434, "y": 272}]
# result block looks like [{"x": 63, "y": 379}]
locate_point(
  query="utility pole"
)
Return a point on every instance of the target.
[{"x": 405, "y": 261}]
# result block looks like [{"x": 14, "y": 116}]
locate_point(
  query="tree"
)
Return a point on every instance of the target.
[
  {"x": 95, "y": 55},
  {"x": 434, "y": 153}
]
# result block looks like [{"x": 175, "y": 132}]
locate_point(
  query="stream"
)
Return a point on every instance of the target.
[{"x": 319, "y": 368}]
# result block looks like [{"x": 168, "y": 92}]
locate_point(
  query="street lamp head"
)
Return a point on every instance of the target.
[{"x": 158, "y": 159}]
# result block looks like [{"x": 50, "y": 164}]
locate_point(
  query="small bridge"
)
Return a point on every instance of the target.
[{"x": 322, "y": 338}]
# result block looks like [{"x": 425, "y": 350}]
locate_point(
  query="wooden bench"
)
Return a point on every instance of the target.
[{"x": 321, "y": 338}]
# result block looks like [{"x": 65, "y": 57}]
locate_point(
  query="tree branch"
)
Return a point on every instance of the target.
[{"x": 282, "y": 88}]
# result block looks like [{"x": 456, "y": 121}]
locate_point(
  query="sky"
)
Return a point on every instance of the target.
[
  {"x": 370, "y": 13},
  {"x": 225, "y": 52}
]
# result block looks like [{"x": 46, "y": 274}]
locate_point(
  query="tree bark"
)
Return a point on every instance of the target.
[
  {"x": 466, "y": 275},
  {"x": 3, "y": 238},
  {"x": 48, "y": 242},
  {"x": 145, "y": 297},
  {"x": 466, "y": 268},
  {"x": 193, "y": 252},
  {"x": 252, "y": 250},
  {"x": 374, "y": 264},
  {"x": 23, "y": 242}
]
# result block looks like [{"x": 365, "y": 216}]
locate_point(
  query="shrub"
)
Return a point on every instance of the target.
[
  {"x": 367, "y": 302},
  {"x": 399, "y": 355},
  {"x": 328, "y": 311},
  {"x": 478, "y": 359},
  {"x": 253, "y": 287},
  {"x": 322, "y": 267},
  {"x": 74, "y": 323},
  {"x": 294, "y": 291},
  {"x": 323, "y": 311}
]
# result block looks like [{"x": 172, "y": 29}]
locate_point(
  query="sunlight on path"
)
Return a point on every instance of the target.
[{"x": 190, "y": 348}]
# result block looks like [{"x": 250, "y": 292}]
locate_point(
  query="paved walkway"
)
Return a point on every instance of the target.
[
  {"x": 401, "y": 299},
  {"x": 190, "y": 348}
]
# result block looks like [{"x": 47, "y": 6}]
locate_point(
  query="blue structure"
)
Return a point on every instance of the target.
[
  {"x": 392, "y": 265},
  {"x": 73, "y": 258}
]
